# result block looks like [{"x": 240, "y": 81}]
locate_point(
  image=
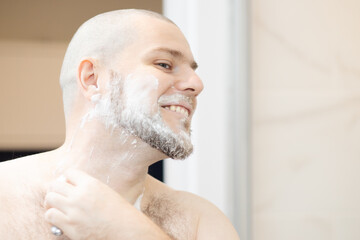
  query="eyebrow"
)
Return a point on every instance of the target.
[{"x": 176, "y": 54}]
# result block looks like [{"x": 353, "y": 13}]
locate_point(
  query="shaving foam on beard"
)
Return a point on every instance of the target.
[
  {"x": 131, "y": 104},
  {"x": 135, "y": 92},
  {"x": 141, "y": 116},
  {"x": 153, "y": 131}
]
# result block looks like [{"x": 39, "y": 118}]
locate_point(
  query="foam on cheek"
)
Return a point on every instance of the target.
[
  {"x": 139, "y": 90},
  {"x": 96, "y": 98},
  {"x": 136, "y": 93},
  {"x": 102, "y": 106}
]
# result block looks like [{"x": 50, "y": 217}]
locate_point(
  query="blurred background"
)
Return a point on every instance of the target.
[{"x": 277, "y": 128}]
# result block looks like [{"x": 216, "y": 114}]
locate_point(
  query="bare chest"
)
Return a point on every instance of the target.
[
  {"x": 22, "y": 217},
  {"x": 176, "y": 221}
]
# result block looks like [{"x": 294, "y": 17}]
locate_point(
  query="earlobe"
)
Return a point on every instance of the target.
[{"x": 87, "y": 77}]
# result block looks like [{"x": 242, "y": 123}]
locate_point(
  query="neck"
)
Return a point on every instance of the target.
[{"x": 116, "y": 158}]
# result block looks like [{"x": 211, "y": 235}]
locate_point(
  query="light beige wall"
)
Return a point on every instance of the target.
[
  {"x": 33, "y": 39},
  {"x": 30, "y": 99},
  {"x": 306, "y": 119}
]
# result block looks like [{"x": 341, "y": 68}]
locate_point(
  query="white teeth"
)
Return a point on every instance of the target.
[{"x": 178, "y": 109}]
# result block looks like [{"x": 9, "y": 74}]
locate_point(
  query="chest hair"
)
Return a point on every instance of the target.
[{"x": 169, "y": 216}]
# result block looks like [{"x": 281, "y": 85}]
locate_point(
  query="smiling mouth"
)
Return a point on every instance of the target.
[{"x": 178, "y": 109}]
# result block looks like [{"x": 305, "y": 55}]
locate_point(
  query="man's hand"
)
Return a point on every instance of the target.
[{"x": 85, "y": 208}]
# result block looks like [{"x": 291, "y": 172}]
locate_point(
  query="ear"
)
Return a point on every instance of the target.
[{"x": 88, "y": 77}]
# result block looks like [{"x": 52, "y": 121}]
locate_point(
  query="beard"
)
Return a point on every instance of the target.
[{"x": 125, "y": 107}]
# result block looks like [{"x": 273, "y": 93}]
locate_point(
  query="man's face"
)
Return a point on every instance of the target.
[{"x": 153, "y": 88}]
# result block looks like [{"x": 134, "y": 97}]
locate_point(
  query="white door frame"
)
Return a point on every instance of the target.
[{"x": 219, "y": 169}]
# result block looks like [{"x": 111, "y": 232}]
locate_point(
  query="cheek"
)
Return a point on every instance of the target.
[{"x": 140, "y": 92}]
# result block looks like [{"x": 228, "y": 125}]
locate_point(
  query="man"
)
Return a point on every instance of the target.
[{"x": 129, "y": 89}]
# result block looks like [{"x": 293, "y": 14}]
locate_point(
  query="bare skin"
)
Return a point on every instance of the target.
[
  {"x": 179, "y": 214},
  {"x": 104, "y": 171}
]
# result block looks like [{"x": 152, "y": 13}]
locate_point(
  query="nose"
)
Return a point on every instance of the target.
[{"x": 190, "y": 83}]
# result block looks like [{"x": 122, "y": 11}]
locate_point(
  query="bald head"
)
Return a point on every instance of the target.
[{"x": 101, "y": 37}]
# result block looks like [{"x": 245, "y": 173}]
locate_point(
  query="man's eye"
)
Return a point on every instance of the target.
[{"x": 165, "y": 65}]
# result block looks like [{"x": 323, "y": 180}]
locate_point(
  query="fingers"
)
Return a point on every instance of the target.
[
  {"x": 77, "y": 177},
  {"x": 60, "y": 220},
  {"x": 61, "y": 186},
  {"x": 56, "y": 217},
  {"x": 55, "y": 200}
]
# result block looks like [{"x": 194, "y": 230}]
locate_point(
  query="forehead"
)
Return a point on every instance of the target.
[{"x": 156, "y": 34}]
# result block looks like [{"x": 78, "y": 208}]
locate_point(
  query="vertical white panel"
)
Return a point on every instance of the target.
[
  {"x": 206, "y": 172},
  {"x": 214, "y": 33},
  {"x": 240, "y": 119}
]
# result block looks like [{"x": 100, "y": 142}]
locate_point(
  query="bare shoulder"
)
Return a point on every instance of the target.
[
  {"x": 10, "y": 170},
  {"x": 213, "y": 224},
  {"x": 16, "y": 169},
  {"x": 208, "y": 221}
]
